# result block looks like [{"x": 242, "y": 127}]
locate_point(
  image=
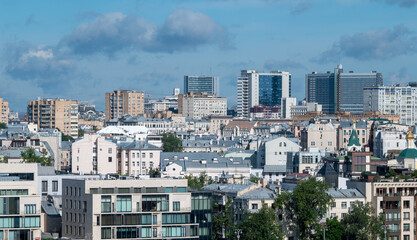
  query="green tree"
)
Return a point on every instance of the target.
[
  {"x": 154, "y": 173},
  {"x": 362, "y": 223},
  {"x": 3, "y": 125},
  {"x": 198, "y": 182},
  {"x": 261, "y": 225},
  {"x": 65, "y": 138},
  {"x": 31, "y": 157},
  {"x": 254, "y": 179},
  {"x": 334, "y": 230},
  {"x": 170, "y": 143},
  {"x": 305, "y": 205},
  {"x": 223, "y": 222},
  {"x": 80, "y": 132}
]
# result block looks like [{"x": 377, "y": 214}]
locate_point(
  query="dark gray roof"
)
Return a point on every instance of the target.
[
  {"x": 137, "y": 145},
  {"x": 49, "y": 208},
  {"x": 275, "y": 168},
  {"x": 66, "y": 145},
  {"x": 15, "y": 153},
  {"x": 327, "y": 170},
  {"x": 227, "y": 187},
  {"x": 258, "y": 194},
  {"x": 346, "y": 123}
]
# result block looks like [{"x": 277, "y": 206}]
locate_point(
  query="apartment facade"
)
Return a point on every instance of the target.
[
  {"x": 137, "y": 158},
  {"x": 200, "y": 105},
  {"x": 146, "y": 209},
  {"x": 319, "y": 135},
  {"x": 256, "y": 88},
  {"x": 55, "y": 113},
  {"x": 392, "y": 100},
  {"x": 217, "y": 123},
  {"x": 208, "y": 84},
  {"x": 93, "y": 154},
  {"x": 122, "y": 102},
  {"x": 4, "y": 111},
  {"x": 20, "y": 203}
]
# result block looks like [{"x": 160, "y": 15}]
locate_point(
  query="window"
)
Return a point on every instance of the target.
[
  {"x": 44, "y": 186},
  {"x": 333, "y": 215},
  {"x": 176, "y": 206},
  {"x": 343, "y": 215},
  {"x": 406, "y": 215},
  {"x": 105, "y": 203},
  {"x": 143, "y": 164},
  {"x": 155, "y": 219},
  {"x": 329, "y": 143},
  {"x": 133, "y": 155},
  {"x": 173, "y": 231},
  {"x": 110, "y": 150},
  {"x": 313, "y": 143},
  {"x": 155, "y": 203},
  {"x": 54, "y": 186},
  {"x": 344, "y": 205},
  {"x": 406, "y": 237},
  {"x": 406, "y": 227},
  {"x": 145, "y": 232},
  {"x": 110, "y": 159},
  {"x": 407, "y": 204},
  {"x": 181, "y": 189},
  {"x": 124, "y": 203},
  {"x": 133, "y": 163},
  {"x": 333, "y": 205},
  {"x": 143, "y": 155},
  {"x": 254, "y": 206},
  {"x": 150, "y": 155},
  {"x": 30, "y": 208}
]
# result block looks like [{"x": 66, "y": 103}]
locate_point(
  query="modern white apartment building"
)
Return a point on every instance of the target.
[
  {"x": 20, "y": 203},
  {"x": 146, "y": 209},
  {"x": 393, "y": 100},
  {"x": 199, "y": 105},
  {"x": 256, "y": 88},
  {"x": 93, "y": 154}
]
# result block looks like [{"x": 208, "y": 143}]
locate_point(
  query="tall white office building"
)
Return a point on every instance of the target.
[
  {"x": 256, "y": 88},
  {"x": 393, "y": 100}
]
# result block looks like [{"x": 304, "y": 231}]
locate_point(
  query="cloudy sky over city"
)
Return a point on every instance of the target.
[{"x": 82, "y": 49}]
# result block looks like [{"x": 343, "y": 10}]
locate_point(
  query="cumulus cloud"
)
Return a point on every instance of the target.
[
  {"x": 402, "y": 3},
  {"x": 183, "y": 30},
  {"x": 374, "y": 44},
  {"x": 272, "y": 64}
]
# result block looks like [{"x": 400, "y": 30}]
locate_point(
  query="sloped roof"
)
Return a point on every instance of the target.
[
  {"x": 344, "y": 193},
  {"x": 354, "y": 139},
  {"x": 124, "y": 130},
  {"x": 244, "y": 125},
  {"x": 137, "y": 145},
  {"x": 327, "y": 170},
  {"x": 408, "y": 153},
  {"x": 259, "y": 194}
]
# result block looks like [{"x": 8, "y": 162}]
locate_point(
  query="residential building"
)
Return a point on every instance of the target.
[
  {"x": 153, "y": 125},
  {"x": 319, "y": 135},
  {"x": 179, "y": 165},
  {"x": 389, "y": 141},
  {"x": 286, "y": 105},
  {"x": 20, "y": 210},
  {"x": 393, "y": 100},
  {"x": 256, "y": 88},
  {"x": 239, "y": 128},
  {"x": 339, "y": 91},
  {"x": 121, "y": 102},
  {"x": 310, "y": 161},
  {"x": 265, "y": 112},
  {"x": 217, "y": 123},
  {"x": 343, "y": 200},
  {"x": 137, "y": 158},
  {"x": 208, "y": 84},
  {"x": 93, "y": 154},
  {"x": 201, "y": 104},
  {"x": 151, "y": 209},
  {"x": 4, "y": 111},
  {"x": 346, "y": 129},
  {"x": 305, "y": 108},
  {"x": 55, "y": 114}
]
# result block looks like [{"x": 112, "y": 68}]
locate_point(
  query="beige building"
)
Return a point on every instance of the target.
[
  {"x": 345, "y": 129},
  {"x": 218, "y": 122},
  {"x": 199, "y": 105},
  {"x": 319, "y": 135},
  {"x": 93, "y": 154},
  {"x": 4, "y": 111},
  {"x": 55, "y": 113},
  {"x": 343, "y": 200},
  {"x": 122, "y": 102},
  {"x": 137, "y": 157},
  {"x": 20, "y": 203},
  {"x": 114, "y": 209}
]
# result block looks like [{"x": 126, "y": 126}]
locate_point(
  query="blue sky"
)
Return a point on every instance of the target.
[{"x": 82, "y": 49}]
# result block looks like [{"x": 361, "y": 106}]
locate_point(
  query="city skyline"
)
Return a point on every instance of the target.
[{"x": 51, "y": 50}]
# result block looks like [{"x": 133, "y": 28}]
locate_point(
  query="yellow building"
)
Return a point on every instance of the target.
[
  {"x": 55, "y": 113},
  {"x": 4, "y": 111},
  {"x": 122, "y": 102}
]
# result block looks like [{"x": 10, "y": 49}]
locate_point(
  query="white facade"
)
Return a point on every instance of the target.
[
  {"x": 389, "y": 140},
  {"x": 286, "y": 105},
  {"x": 393, "y": 100},
  {"x": 93, "y": 154},
  {"x": 321, "y": 136},
  {"x": 248, "y": 89},
  {"x": 199, "y": 107}
]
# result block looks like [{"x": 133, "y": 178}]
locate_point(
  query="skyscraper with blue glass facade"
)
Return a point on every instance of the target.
[
  {"x": 208, "y": 84},
  {"x": 256, "y": 88}
]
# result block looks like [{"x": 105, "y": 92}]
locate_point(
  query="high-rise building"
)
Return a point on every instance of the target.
[
  {"x": 339, "y": 91},
  {"x": 55, "y": 113},
  {"x": 122, "y": 102},
  {"x": 199, "y": 105},
  {"x": 4, "y": 111},
  {"x": 392, "y": 100},
  {"x": 256, "y": 88},
  {"x": 206, "y": 84}
]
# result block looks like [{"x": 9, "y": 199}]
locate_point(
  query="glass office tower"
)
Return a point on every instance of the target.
[{"x": 206, "y": 84}]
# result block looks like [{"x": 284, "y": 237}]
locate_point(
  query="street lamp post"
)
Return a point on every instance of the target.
[
  {"x": 324, "y": 232},
  {"x": 238, "y": 232}
]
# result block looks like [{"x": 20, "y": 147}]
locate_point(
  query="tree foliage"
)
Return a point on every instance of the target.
[
  {"x": 261, "y": 225},
  {"x": 198, "y": 182},
  {"x": 31, "y": 157},
  {"x": 80, "y": 132},
  {"x": 3, "y": 125},
  {"x": 154, "y": 173},
  {"x": 64, "y": 137},
  {"x": 334, "y": 230},
  {"x": 223, "y": 222},
  {"x": 170, "y": 143},
  {"x": 362, "y": 223},
  {"x": 305, "y": 205}
]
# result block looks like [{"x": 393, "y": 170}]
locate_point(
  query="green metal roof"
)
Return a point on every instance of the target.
[
  {"x": 354, "y": 140},
  {"x": 408, "y": 153}
]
